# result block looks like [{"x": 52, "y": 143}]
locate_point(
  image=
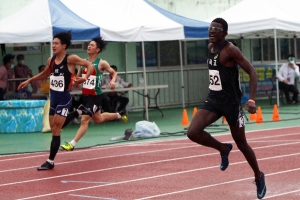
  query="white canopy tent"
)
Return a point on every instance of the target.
[
  {"x": 115, "y": 20},
  {"x": 262, "y": 19}
]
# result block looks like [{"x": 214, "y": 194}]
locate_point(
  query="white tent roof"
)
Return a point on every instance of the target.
[
  {"x": 115, "y": 20},
  {"x": 259, "y": 18}
]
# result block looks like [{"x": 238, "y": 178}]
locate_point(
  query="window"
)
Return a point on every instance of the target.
[
  {"x": 26, "y": 49},
  {"x": 78, "y": 47},
  {"x": 256, "y": 49},
  {"x": 196, "y": 51},
  {"x": 284, "y": 48},
  {"x": 150, "y": 54},
  {"x": 169, "y": 53},
  {"x": 268, "y": 49}
]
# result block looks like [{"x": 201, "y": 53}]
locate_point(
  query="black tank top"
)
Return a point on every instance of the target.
[
  {"x": 224, "y": 81},
  {"x": 61, "y": 79}
]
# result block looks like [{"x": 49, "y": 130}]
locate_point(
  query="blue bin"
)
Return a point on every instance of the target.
[{"x": 21, "y": 116}]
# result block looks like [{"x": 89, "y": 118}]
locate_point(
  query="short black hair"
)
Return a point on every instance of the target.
[
  {"x": 40, "y": 67},
  {"x": 223, "y": 22},
  {"x": 114, "y": 67},
  {"x": 100, "y": 42},
  {"x": 291, "y": 55},
  {"x": 6, "y": 58},
  {"x": 64, "y": 37},
  {"x": 20, "y": 55}
]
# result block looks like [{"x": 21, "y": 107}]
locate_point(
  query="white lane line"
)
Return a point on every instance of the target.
[
  {"x": 218, "y": 184},
  {"x": 140, "y": 164},
  {"x": 159, "y": 176},
  {"x": 281, "y": 194},
  {"x": 145, "y": 152},
  {"x": 143, "y": 142}
]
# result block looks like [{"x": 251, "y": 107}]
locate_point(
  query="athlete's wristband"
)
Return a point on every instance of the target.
[{"x": 251, "y": 100}]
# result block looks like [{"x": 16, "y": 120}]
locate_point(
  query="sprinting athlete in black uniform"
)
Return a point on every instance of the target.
[
  {"x": 224, "y": 99},
  {"x": 61, "y": 69}
]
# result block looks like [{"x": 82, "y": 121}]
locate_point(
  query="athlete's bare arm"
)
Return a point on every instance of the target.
[
  {"x": 74, "y": 60},
  {"x": 103, "y": 65},
  {"x": 232, "y": 55},
  {"x": 42, "y": 75}
]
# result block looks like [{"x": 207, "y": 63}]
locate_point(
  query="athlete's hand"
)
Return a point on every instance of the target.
[
  {"x": 250, "y": 107},
  {"x": 79, "y": 80},
  {"x": 112, "y": 85},
  {"x": 23, "y": 84}
]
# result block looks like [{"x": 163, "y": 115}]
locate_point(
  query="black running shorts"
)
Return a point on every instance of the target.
[
  {"x": 92, "y": 103},
  {"x": 233, "y": 113}
]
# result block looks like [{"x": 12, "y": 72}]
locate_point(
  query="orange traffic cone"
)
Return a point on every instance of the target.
[
  {"x": 185, "y": 119},
  {"x": 223, "y": 119},
  {"x": 259, "y": 117},
  {"x": 253, "y": 116},
  {"x": 275, "y": 113},
  {"x": 195, "y": 111}
]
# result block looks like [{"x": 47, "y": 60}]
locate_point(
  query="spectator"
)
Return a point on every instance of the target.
[
  {"x": 114, "y": 97},
  {"x": 8, "y": 61},
  {"x": 286, "y": 77},
  {"x": 23, "y": 71}
]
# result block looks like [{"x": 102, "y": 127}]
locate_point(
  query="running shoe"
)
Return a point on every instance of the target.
[
  {"x": 68, "y": 146},
  {"x": 224, "y": 158},
  {"x": 123, "y": 116},
  {"x": 46, "y": 166},
  {"x": 84, "y": 110},
  {"x": 261, "y": 186}
]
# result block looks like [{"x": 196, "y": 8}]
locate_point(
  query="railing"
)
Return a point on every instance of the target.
[{"x": 195, "y": 86}]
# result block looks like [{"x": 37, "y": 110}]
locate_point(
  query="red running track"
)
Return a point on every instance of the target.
[{"x": 169, "y": 169}]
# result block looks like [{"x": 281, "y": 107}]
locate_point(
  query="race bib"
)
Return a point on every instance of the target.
[
  {"x": 90, "y": 83},
  {"x": 57, "y": 83},
  {"x": 215, "y": 80}
]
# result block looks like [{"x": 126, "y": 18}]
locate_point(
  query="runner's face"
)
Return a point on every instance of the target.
[
  {"x": 57, "y": 47},
  {"x": 216, "y": 32},
  {"x": 92, "y": 48}
]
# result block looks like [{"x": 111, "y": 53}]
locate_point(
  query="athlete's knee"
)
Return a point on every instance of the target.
[
  {"x": 243, "y": 146},
  {"x": 194, "y": 134}
]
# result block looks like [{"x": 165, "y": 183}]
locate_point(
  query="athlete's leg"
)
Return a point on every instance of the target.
[
  {"x": 99, "y": 118},
  {"x": 196, "y": 132},
  {"x": 239, "y": 136},
  {"x": 84, "y": 125}
]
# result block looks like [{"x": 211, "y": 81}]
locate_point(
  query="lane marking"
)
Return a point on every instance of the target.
[
  {"x": 61, "y": 152},
  {"x": 145, "y": 152},
  {"x": 281, "y": 194},
  {"x": 159, "y": 176},
  {"x": 218, "y": 184},
  {"x": 89, "y": 182},
  {"x": 145, "y": 163},
  {"x": 92, "y": 197}
]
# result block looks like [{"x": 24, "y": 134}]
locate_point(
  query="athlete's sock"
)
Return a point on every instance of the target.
[
  {"x": 55, "y": 143},
  {"x": 71, "y": 116},
  {"x": 119, "y": 116},
  {"x": 73, "y": 143}
]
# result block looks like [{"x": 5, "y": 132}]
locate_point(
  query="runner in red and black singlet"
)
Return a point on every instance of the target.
[{"x": 60, "y": 68}]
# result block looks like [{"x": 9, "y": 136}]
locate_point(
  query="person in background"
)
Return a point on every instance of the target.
[
  {"x": 23, "y": 71},
  {"x": 286, "y": 77},
  {"x": 115, "y": 97},
  {"x": 224, "y": 99},
  {"x": 8, "y": 61}
]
